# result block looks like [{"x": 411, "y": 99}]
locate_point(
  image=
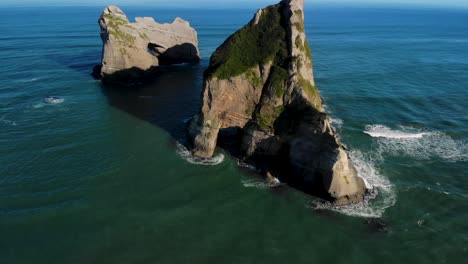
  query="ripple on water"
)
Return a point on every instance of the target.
[{"x": 4, "y": 120}]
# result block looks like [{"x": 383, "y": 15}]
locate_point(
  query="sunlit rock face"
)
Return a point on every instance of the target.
[
  {"x": 260, "y": 82},
  {"x": 130, "y": 50}
]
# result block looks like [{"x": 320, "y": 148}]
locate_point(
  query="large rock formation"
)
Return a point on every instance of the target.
[
  {"x": 132, "y": 49},
  {"x": 260, "y": 82}
]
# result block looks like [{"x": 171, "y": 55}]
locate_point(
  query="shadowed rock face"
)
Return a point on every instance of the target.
[
  {"x": 132, "y": 50},
  {"x": 260, "y": 82}
]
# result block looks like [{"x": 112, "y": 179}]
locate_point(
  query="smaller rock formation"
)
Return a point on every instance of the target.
[{"x": 132, "y": 50}]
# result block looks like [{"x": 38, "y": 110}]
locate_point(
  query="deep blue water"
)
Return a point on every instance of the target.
[{"x": 100, "y": 178}]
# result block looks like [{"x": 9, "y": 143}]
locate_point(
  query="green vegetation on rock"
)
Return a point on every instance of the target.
[
  {"x": 266, "y": 121},
  {"x": 303, "y": 46},
  {"x": 308, "y": 88},
  {"x": 278, "y": 80},
  {"x": 254, "y": 44},
  {"x": 114, "y": 24},
  {"x": 307, "y": 49},
  {"x": 253, "y": 78},
  {"x": 299, "y": 26}
]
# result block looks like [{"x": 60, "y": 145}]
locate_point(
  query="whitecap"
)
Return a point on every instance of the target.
[
  {"x": 54, "y": 100},
  {"x": 380, "y": 131},
  {"x": 417, "y": 144},
  {"x": 381, "y": 193},
  {"x": 184, "y": 153},
  {"x": 28, "y": 80},
  {"x": 255, "y": 183}
]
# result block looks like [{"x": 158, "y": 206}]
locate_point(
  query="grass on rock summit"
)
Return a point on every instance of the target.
[{"x": 253, "y": 45}]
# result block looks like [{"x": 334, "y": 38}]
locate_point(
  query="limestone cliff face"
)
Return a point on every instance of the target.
[
  {"x": 130, "y": 49},
  {"x": 261, "y": 81}
]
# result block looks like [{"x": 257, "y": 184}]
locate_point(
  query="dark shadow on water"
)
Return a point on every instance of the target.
[
  {"x": 81, "y": 62},
  {"x": 170, "y": 99}
]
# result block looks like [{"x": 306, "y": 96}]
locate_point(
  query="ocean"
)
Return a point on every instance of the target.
[{"x": 102, "y": 176}]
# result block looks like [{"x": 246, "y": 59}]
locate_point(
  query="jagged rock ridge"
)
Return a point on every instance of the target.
[
  {"x": 260, "y": 83},
  {"x": 130, "y": 50}
]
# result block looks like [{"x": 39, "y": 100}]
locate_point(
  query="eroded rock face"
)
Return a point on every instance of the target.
[
  {"x": 132, "y": 49},
  {"x": 260, "y": 80}
]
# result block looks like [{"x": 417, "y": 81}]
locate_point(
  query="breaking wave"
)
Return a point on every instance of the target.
[
  {"x": 380, "y": 131},
  {"x": 54, "y": 100},
  {"x": 336, "y": 122},
  {"x": 49, "y": 100},
  {"x": 418, "y": 144},
  {"x": 184, "y": 153},
  {"x": 381, "y": 194}
]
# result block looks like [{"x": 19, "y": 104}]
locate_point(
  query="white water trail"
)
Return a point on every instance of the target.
[
  {"x": 417, "y": 143},
  {"x": 247, "y": 166},
  {"x": 380, "y": 131},
  {"x": 29, "y": 80},
  {"x": 255, "y": 183},
  {"x": 53, "y": 100}
]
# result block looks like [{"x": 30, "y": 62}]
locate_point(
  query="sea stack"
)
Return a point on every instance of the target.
[
  {"x": 260, "y": 83},
  {"x": 131, "y": 51}
]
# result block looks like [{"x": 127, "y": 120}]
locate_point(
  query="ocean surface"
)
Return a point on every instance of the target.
[{"x": 101, "y": 177}]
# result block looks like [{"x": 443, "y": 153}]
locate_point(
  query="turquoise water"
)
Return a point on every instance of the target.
[{"x": 100, "y": 178}]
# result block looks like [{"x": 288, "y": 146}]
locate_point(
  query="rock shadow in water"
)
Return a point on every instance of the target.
[
  {"x": 171, "y": 96},
  {"x": 81, "y": 62}
]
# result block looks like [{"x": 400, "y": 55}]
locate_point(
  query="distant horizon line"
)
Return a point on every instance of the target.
[{"x": 307, "y": 7}]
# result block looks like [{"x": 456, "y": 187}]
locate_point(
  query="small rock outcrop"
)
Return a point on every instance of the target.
[
  {"x": 260, "y": 82},
  {"x": 131, "y": 50}
]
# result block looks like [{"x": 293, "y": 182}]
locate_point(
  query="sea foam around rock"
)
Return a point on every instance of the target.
[
  {"x": 381, "y": 194},
  {"x": 184, "y": 153}
]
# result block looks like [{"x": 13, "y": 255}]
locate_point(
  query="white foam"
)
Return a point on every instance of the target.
[
  {"x": 189, "y": 157},
  {"x": 50, "y": 100},
  {"x": 380, "y": 131},
  {"x": 326, "y": 109},
  {"x": 255, "y": 183},
  {"x": 28, "y": 80},
  {"x": 54, "y": 100},
  {"x": 337, "y": 122},
  {"x": 246, "y": 165},
  {"x": 38, "y": 105},
  {"x": 380, "y": 197},
  {"x": 417, "y": 144}
]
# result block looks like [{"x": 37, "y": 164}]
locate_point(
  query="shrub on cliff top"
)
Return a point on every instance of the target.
[{"x": 252, "y": 45}]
